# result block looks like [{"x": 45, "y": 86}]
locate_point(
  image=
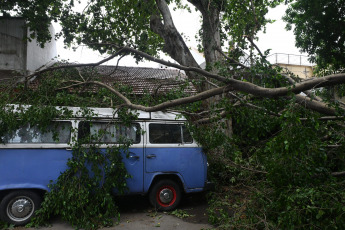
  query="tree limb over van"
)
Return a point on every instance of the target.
[{"x": 226, "y": 85}]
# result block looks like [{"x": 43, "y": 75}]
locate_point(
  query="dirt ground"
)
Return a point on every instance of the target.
[
  {"x": 137, "y": 214},
  {"x": 194, "y": 206}
]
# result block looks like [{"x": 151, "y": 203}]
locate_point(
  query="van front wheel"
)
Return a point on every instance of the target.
[
  {"x": 19, "y": 206},
  {"x": 165, "y": 195}
]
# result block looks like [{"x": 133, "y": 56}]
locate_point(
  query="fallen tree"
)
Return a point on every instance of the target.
[{"x": 283, "y": 160}]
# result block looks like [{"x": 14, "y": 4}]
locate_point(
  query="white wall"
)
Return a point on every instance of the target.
[
  {"x": 37, "y": 56},
  {"x": 16, "y": 54}
]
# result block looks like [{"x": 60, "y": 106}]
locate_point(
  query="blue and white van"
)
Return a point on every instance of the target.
[{"x": 164, "y": 160}]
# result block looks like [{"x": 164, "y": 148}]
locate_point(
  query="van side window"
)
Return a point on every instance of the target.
[
  {"x": 56, "y": 132},
  {"x": 187, "y": 137},
  {"x": 169, "y": 134},
  {"x": 105, "y": 132}
]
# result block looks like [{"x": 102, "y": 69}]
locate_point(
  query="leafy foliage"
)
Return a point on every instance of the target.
[
  {"x": 4, "y": 225},
  {"x": 239, "y": 27},
  {"x": 282, "y": 177},
  {"x": 275, "y": 169},
  {"x": 108, "y": 24},
  {"x": 38, "y": 15},
  {"x": 318, "y": 30},
  {"x": 83, "y": 194},
  {"x": 112, "y": 22}
]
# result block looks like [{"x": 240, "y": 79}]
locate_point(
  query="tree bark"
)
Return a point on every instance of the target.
[
  {"x": 211, "y": 41},
  {"x": 174, "y": 43}
]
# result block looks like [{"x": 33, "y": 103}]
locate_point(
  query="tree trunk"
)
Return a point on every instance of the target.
[
  {"x": 174, "y": 44},
  {"x": 211, "y": 42}
]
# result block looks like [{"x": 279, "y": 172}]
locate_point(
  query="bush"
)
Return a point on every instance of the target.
[{"x": 282, "y": 179}]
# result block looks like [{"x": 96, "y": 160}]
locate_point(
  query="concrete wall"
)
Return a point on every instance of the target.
[
  {"x": 18, "y": 55},
  {"x": 37, "y": 56},
  {"x": 12, "y": 46},
  {"x": 303, "y": 71}
]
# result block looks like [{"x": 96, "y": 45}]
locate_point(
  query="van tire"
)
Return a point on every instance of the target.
[
  {"x": 18, "y": 207},
  {"x": 165, "y": 195}
]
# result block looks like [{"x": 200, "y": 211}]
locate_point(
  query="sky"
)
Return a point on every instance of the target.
[{"x": 276, "y": 38}]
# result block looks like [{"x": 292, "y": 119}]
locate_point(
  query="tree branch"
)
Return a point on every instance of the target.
[
  {"x": 231, "y": 83},
  {"x": 230, "y": 59},
  {"x": 159, "y": 107},
  {"x": 255, "y": 46},
  {"x": 164, "y": 9},
  {"x": 329, "y": 118},
  {"x": 245, "y": 168},
  {"x": 121, "y": 50},
  {"x": 338, "y": 174},
  {"x": 315, "y": 105},
  {"x": 251, "y": 88}
]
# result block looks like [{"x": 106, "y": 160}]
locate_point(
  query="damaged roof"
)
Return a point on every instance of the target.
[
  {"x": 145, "y": 80},
  {"x": 141, "y": 79}
]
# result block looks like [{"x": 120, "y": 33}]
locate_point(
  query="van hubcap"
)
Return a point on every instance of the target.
[
  {"x": 20, "y": 209},
  {"x": 166, "y": 195}
]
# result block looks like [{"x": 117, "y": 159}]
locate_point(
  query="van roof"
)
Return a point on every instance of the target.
[{"x": 111, "y": 113}]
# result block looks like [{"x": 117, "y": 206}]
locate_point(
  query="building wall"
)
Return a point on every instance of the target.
[
  {"x": 12, "y": 46},
  {"x": 303, "y": 71},
  {"x": 37, "y": 56},
  {"x": 18, "y": 55}
]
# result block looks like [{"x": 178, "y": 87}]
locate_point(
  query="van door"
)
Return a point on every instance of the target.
[
  {"x": 171, "y": 149},
  {"x": 112, "y": 133},
  {"x": 134, "y": 162}
]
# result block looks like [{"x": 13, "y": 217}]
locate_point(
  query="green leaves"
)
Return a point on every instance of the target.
[
  {"x": 317, "y": 28},
  {"x": 124, "y": 23},
  {"x": 244, "y": 19},
  {"x": 83, "y": 194},
  {"x": 38, "y": 14},
  {"x": 276, "y": 169}
]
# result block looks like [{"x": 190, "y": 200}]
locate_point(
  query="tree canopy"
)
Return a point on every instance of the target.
[
  {"x": 38, "y": 14},
  {"x": 144, "y": 25},
  {"x": 318, "y": 30},
  {"x": 143, "y": 29},
  {"x": 283, "y": 152}
]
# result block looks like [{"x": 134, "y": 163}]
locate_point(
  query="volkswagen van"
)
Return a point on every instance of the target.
[{"x": 164, "y": 161}]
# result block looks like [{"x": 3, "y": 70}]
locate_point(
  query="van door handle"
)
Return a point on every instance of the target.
[
  {"x": 134, "y": 157},
  {"x": 151, "y": 156}
]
